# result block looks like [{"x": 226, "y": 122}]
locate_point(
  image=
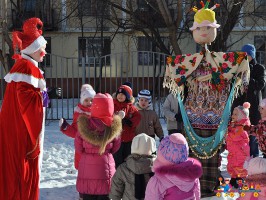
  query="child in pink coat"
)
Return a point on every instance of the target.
[
  {"x": 237, "y": 143},
  {"x": 84, "y": 107},
  {"x": 175, "y": 175},
  {"x": 96, "y": 141}
]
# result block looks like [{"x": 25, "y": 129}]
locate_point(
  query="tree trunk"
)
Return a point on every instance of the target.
[
  {"x": 233, "y": 16},
  {"x": 172, "y": 27}
]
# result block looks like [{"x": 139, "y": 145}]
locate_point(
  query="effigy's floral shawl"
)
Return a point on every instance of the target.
[
  {"x": 208, "y": 76},
  {"x": 223, "y": 66}
]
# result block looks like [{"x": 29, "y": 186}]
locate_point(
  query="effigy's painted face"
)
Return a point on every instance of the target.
[{"x": 204, "y": 35}]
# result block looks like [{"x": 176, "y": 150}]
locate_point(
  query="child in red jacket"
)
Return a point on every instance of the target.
[
  {"x": 124, "y": 102},
  {"x": 84, "y": 107}
]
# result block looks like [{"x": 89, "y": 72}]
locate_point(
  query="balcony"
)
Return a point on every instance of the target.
[{"x": 47, "y": 14}]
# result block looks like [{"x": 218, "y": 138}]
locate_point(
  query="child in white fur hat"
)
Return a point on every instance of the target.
[
  {"x": 237, "y": 143},
  {"x": 132, "y": 176},
  {"x": 256, "y": 168},
  {"x": 84, "y": 107}
]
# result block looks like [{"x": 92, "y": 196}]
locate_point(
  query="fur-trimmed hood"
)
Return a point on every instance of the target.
[
  {"x": 95, "y": 132},
  {"x": 181, "y": 175},
  {"x": 188, "y": 170}
]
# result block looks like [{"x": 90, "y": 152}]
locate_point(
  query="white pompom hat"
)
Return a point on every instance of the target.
[
  {"x": 86, "y": 91},
  {"x": 243, "y": 111}
]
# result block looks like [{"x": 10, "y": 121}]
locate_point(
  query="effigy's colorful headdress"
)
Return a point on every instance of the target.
[{"x": 205, "y": 16}]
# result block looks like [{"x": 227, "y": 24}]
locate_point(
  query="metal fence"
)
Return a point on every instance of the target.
[{"x": 145, "y": 70}]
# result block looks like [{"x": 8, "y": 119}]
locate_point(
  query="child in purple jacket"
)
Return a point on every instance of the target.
[
  {"x": 97, "y": 139},
  {"x": 175, "y": 175}
]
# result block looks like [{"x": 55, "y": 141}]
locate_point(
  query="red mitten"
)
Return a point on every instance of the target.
[{"x": 247, "y": 128}]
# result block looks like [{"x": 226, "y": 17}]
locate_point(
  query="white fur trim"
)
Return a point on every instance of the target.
[
  {"x": 30, "y": 59},
  {"x": 78, "y": 110},
  {"x": 18, "y": 77},
  {"x": 35, "y": 46}
]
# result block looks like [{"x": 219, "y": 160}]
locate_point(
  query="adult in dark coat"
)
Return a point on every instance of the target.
[{"x": 254, "y": 93}]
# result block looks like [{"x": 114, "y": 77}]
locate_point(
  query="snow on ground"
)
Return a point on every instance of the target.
[{"x": 58, "y": 176}]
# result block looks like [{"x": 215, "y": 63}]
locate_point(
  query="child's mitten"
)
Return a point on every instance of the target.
[{"x": 63, "y": 124}]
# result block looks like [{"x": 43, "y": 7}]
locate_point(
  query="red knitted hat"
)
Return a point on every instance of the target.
[
  {"x": 30, "y": 39},
  {"x": 103, "y": 108},
  {"x": 126, "y": 90}
]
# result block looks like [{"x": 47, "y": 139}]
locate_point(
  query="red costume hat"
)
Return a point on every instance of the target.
[{"x": 30, "y": 39}]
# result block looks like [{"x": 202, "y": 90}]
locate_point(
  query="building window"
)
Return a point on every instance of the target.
[
  {"x": 47, "y": 59},
  {"x": 143, "y": 5},
  {"x": 260, "y": 7},
  {"x": 145, "y": 55},
  {"x": 259, "y": 42},
  {"x": 146, "y": 47},
  {"x": 93, "y": 8},
  {"x": 29, "y": 8},
  {"x": 87, "y": 7},
  {"x": 29, "y": 5},
  {"x": 90, "y": 48},
  {"x": 147, "y": 10}
]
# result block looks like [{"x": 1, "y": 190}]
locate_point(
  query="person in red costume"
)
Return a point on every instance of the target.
[{"x": 22, "y": 116}]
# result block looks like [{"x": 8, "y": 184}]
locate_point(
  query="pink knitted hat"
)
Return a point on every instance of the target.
[
  {"x": 173, "y": 149},
  {"x": 243, "y": 111}
]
